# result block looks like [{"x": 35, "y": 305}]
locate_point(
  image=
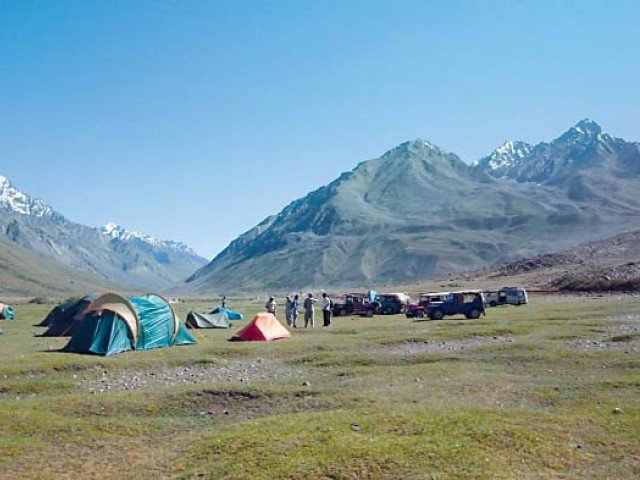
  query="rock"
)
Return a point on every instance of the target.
[
  {"x": 306, "y": 384},
  {"x": 355, "y": 427},
  {"x": 617, "y": 411}
]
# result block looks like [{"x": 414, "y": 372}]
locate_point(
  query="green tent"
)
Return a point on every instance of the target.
[
  {"x": 211, "y": 320},
  {"x": 114, "y": 324}
]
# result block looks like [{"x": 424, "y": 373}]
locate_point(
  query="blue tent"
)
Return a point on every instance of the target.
[
  {"x": 230, "y": 313},
  {"x": 114, "y": 324}
]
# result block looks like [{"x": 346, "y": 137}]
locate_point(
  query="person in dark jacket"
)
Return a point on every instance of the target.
[{"x": 309, "y": 310}]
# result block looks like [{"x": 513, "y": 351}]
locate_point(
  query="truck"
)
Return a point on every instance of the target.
[
  {"x": 419, "y": 309},
  {"x": 469, "y": 303},
  {"x": 507, "y": 296}
]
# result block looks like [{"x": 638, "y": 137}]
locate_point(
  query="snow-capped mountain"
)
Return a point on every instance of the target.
[
  {"x": 14, "y": 200},
  {"x": 507, "y": 155},
  {"x": 115, "y": 231},
  {"x": 111, "y": 252},
  {"x": 583, "y": 149}
]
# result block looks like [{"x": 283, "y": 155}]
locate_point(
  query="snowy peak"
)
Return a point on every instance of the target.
[
  {"x": 587, "y": 127},
  {"x": 585, "y": 131},
  {"x": 414, "y": 147},
  {"x": 14, "y": 200},
  {"x": 509, "y": 154},
  {"x": 116, "y": 232}
]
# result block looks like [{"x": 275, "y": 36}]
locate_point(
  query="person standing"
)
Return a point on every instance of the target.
[
  {"x": 309, "y": 310},
  {"x": 295, "y": 305},
  {"x": 224, "y": 302},
  {"x": 271, "y": 305},
  {"x": 287, "y": 310},
  {"x": 326, "y": 309}
]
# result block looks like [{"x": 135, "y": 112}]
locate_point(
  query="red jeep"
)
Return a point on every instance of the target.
[
  {"x": 419, "y": 310},
  {"x": 356, "y": 304}
]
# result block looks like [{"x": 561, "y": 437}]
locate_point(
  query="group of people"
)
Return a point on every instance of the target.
[{"x": 292, "y": 307}]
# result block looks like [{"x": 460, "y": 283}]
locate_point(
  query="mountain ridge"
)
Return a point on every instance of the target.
[
  {"x": 418, "y": 211},
  {"x": 119, "y": 256}
]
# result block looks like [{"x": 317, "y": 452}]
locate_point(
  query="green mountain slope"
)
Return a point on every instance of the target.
[
  {"x": 23, "y": 273},
  {"x": 418, "y": 211}
]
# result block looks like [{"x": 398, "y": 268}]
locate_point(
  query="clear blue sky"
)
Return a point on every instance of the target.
[{"x": 193, "y": 120}]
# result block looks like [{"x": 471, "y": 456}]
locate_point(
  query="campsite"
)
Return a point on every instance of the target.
[
  {"x": 549, "y": 389},
  {"x": 319, "y": 240}
]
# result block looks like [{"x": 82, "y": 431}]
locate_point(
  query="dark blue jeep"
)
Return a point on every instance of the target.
[{"x": 469, "y": 303}]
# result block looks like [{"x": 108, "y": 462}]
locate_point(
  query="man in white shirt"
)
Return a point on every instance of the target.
[{"x": 326, "y": 309}]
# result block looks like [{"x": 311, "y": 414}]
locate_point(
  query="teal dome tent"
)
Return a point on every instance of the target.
[{"x": 114, "y": 324}]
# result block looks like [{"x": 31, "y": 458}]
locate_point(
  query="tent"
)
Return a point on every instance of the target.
[
  {"x": 65, "y": 318},
  {"x": 6, "y": 312},
  {"x": 230, "y": 313},
  {"x": 212, "y": 320},
  {"x": 263, "y": 327},
  {"x": 113, "y": 324}
]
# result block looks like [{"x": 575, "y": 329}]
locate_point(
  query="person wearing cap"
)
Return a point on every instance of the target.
[{"x": 271, "y": 305}]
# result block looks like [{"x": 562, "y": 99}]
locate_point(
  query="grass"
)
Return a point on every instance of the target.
[{"x": 530, "y": 403}]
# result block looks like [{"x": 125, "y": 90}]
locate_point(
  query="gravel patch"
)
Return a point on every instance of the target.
[
  {"x": 415, "y": 347},
  {"x": 230, "y": 371},
  {"x": 625, "y": 336}
]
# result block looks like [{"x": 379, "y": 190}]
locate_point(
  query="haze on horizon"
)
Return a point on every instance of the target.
[{"x": 193, "y": 121}]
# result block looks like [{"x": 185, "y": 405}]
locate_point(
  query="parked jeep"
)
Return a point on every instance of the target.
[
  {"x": 344, "y": 306},
  {"x": 356, "y": 304},
  {"x": 419, "y": 310},
  {"x": 507, "y": 296},
  {"x": 392, "y": 303},
  {"x": 365, "y": 307},
  {"x": 469, "y": 303}
]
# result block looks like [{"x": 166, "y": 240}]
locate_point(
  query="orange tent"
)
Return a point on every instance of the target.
[{"x": 263, "y": 328}]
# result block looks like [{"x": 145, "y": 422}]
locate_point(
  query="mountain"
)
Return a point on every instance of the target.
[
  {"x": 418, "y": 211},
  {"x": 504, "y": 158},
  {"x": 24, "y": 273},
  {"x": 110, "y": 252}
]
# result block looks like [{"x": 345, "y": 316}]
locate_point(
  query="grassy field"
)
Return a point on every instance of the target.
[{"x": 550, "y": 390}]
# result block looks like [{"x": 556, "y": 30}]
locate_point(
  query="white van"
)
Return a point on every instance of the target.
[{"x": 507, "y": 296}]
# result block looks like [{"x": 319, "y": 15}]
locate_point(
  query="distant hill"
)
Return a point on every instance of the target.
[
  {"x": 24, "y": 273},
  {"x": 419, "y": 211},
  {"x": 110, "y": 252}
]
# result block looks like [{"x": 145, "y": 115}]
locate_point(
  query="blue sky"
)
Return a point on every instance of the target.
[{"x": 194, "y": 120}]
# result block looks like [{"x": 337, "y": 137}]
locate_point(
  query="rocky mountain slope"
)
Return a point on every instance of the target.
[
  {"x": 418, "y": 211},
  {"x": 110, "y": 253},
  {"x": 611, "y": 263}
]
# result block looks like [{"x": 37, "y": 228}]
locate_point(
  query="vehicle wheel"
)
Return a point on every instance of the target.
[
  {"x": 493, "y": 304},
  {"x": 437, "y": 315},
  {"x": 369, "y": 313},
  {"x": 343, "y": 313},
  {"x": 418, "y": 314},
  {"x": 474, "y": 314}
]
